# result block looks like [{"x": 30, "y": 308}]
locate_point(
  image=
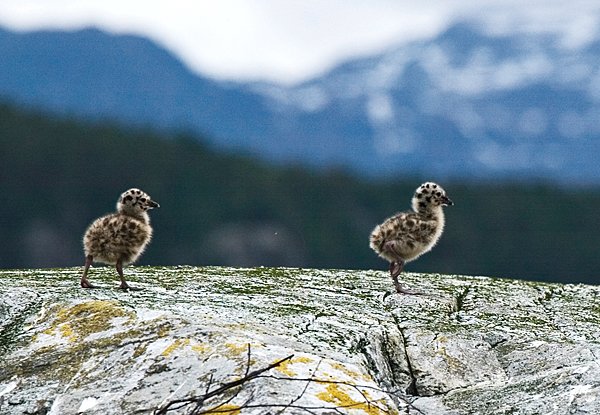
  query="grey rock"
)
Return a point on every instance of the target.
[{"x": 468, "y": 345}]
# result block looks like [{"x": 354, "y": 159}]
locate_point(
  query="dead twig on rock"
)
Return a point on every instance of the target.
[
  {"x": 198, "y": 401},
  {"x": 197, "y": 405}
]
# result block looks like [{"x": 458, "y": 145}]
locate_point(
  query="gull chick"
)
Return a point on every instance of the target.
[
  {"x": 119, "y": 238},
  {"x": 408, "y": 235}
]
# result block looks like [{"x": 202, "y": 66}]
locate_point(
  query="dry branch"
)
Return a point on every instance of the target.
[{"x": 196, "y": 405}]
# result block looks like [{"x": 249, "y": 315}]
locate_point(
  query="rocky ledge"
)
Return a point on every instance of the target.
[{"x": 295, "y": 341}]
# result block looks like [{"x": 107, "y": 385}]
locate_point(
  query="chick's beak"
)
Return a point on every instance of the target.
[
  {"x": 153, "y": 204},
  {"x": 446, "y": 201}
]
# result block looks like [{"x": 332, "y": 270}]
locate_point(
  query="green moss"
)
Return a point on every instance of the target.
[{"x": 11, "y": 331}]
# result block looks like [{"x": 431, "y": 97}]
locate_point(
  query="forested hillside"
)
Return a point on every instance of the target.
[{"x": 56, "y": 175}]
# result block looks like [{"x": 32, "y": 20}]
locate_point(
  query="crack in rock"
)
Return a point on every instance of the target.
[
  {"x": 412, "y": 387},
  {"x": 459, "y": 299},
  {"x": 384, "y": 357}
]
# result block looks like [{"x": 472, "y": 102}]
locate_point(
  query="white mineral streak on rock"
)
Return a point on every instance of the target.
[
  {"x": 536, "y": 343},
  {"x": 87, "y": 404},
  {"x": 578, "y": 390},
  {"x": 9, "y": 388}
]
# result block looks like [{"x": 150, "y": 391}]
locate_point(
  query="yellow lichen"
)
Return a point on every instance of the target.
[
  {"x": 225, "y": 409},
  {"x": 351, "y": 373},
  {"x": 200, "y": 348},
  {"x": 67, "y": 331},
  {"x": 236, "y": 348},
  {"x": 236, "y": 326},
  {"x": 284, "y": 367},
  {"x": 174, "y": 346},
  {"x": 80, "y": 320},
  {"x": 163, "y": 330},
  {"x": 340, "y": 398},
  {"x": 140, "y": 350}
]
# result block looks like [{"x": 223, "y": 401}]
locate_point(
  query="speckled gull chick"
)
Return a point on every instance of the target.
[
  {"x": 119, "y": 238},
  {"x": 408, "y": 235}
]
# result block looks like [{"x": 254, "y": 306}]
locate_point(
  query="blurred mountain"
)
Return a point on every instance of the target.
[
  {"x": 93, "y": 74},
  {"x": 464, "y": 104}
]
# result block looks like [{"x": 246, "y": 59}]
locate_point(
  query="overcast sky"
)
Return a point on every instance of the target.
[{"x": 292, "y": 40}]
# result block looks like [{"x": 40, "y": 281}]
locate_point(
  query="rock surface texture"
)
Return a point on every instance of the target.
[{"x": 293, "y": 341}]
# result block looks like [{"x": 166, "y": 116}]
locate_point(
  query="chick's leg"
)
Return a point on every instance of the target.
[
  {"x": 397, "y": 266},
  {"x": 124, "y": 285},
  {"x": 84, "y": 281}
]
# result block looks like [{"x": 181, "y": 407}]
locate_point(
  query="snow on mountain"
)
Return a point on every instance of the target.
[{"x": 504, "y": 105}]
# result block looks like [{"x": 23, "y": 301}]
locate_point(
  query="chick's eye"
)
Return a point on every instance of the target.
[{"x": 143, "y": 199}]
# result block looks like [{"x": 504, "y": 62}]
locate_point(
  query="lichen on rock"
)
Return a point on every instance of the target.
[{"x": 469, "y": 345}]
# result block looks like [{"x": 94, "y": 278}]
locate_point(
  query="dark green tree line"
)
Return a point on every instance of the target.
[{"x": 58, "y": 174}]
